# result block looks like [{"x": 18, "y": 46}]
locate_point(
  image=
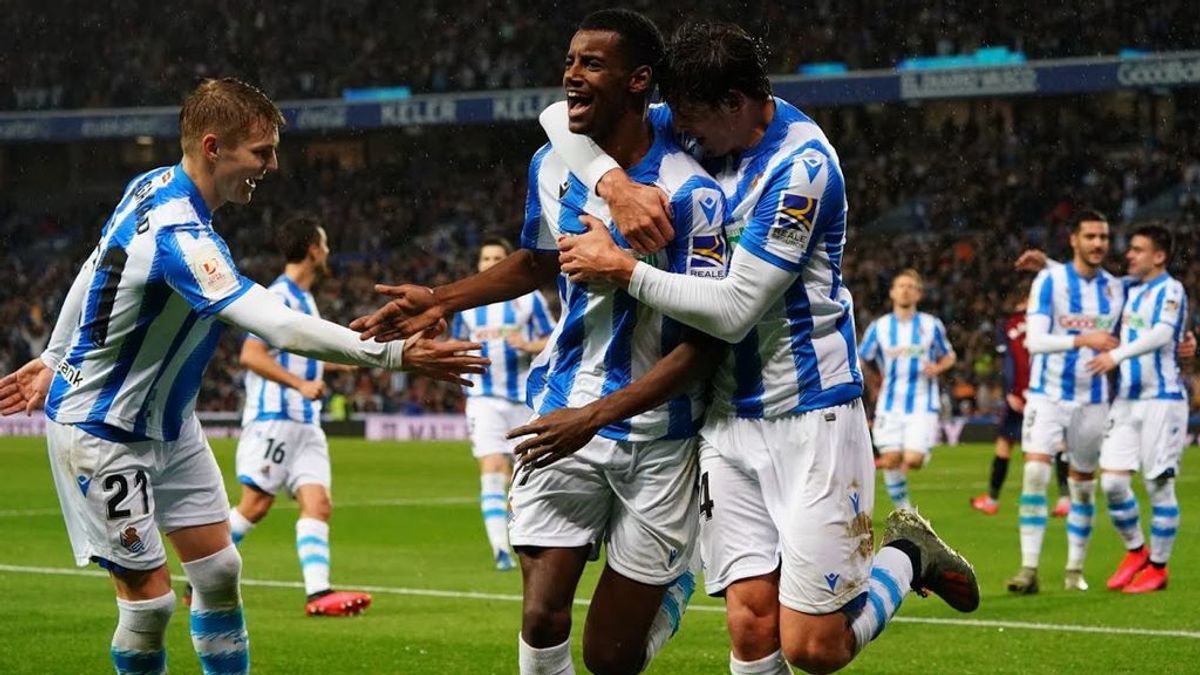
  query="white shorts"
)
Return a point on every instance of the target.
[
  {"x": 1052, "y": 425},
  {"x": 116, "y": 497},
  {"x": 800, "y": 488},
  {"x": 490, "y": 420},
  {"x": 639, "y": 496},
  {"x": 1146, "y": 436},
  {"x": 911, "y": 433},
  {"x": 277, "y": 453}
]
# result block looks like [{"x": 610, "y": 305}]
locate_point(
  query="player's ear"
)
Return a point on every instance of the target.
[
  {"x": 641, "y": 79},
  {"x": 208, "y": 146},
  {"x": 733, "y": 100}
]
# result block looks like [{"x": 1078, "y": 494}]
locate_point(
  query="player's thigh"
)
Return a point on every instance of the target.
[
  {"x": 1085, "y": 435},
  {"x": 1044, "y": 430},
  {"x": 888, "y": 432},
  {"x": 564, "y": 505},
  {"x": 262, "y": 452},
  {"x": 188, "y": 485},
  {"x": 108, "y": 498},
  {"x": 738, "y": 537},
  {"x": 489, "y": 420},
  {"x": 920, "y": 433},
  {"x": 654, "y": 523},
  {"x": 308, "y": 463},
  {"x": 1120, "y": 448},
  {"x": 823, "y": 478},
  {"x": 1164, "y": 434}
]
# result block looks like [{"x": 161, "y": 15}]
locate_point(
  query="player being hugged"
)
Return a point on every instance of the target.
[
  {"x": 911, "y": 350},
  {"x": 624, "y": 456},
  {"x": 137, "y": 329}
]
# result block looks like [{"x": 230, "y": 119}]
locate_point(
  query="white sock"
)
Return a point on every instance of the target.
[
  {"x": 1079, "y": 520},
  {"x": 554, "y": 660},
  {"x": 771, "y": 664},
  {"x": 1164, "y": 518},
  {"x": 1123, "y": 508},
  {"x": 493, "y": 502},
  {"x": 218, "y": 627},
  {"x": 239, "y": 526},
  {"x": 312, "y": 546},
  {"x": 1033, "y": 511},
  {"x": 891, "y": 579},
  {"x": 137, "y": 644},
  {"x": 670, "y": 612},
  {"x": 897, "y": 487}
]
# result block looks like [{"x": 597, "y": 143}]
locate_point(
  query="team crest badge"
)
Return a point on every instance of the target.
[{"x": 131, "y": 541}]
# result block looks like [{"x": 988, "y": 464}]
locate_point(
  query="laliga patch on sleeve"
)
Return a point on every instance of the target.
[
  {"x": 213, "y": 273},
  {"x": 708, "y": 256}
]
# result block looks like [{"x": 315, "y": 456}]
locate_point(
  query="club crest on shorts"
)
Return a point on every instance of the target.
[{"x": 131, "y": 541}]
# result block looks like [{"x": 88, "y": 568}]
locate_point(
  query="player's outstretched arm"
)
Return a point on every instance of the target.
[
  {"x": 725, "y": 308},
  {"x": 256, "y": 356},
  {"x": 642, "y": 212},
  {"x": 414, "y": 309},
  {"x": 566, "y": 430},
  {"x": 262, "y": 313},
  {"x": 25, "y": 388}
]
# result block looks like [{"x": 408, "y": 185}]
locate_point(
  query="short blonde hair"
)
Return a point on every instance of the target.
[
  {"x": 912, "y": 274},
  {"x": 226, "y": 107}
]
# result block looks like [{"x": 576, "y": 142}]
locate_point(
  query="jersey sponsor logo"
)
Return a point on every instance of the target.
[
  {"x": 1135, "y": 321},
  {"x": 131, "y": 541},
  {"x": 212, "y": 272},
  {"x": 708, "y": 256},
  {"x": 902, "y": 351},
  {"x": 1085, "y": 322},
  {"x": 71, "y": 374},
  {"x": 796, "y": 211},
  {"x": 1170, "y": 306},
  {"x": 494, "y": 333}
]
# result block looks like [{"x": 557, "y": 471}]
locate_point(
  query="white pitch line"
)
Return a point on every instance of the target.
[
  {"x": 350, "y": 504},
  {"x": 508, "y": 597}
]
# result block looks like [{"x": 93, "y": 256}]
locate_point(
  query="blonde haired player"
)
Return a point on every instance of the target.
[
  {"x": 911, "y": 351},
  {"x": 138, "y": 327}
]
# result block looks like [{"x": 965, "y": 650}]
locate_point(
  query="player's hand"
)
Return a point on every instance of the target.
[
  {"x": 642, "y": 212},
  {"x": 1101, "y": 364},
  {"x": 445, "y": 360},
  {"x": 312, "y": 389},
  {"x": 594, "y": 256},
  {"x": 1100, "y": 341},
  {"x": 25, "y": 388},
  {"x": 1016, "y": 403},
  {"x": 1186, "y": 350},
  {"x": 517, "y": 342},
  {"x": 1032, "y": 260},
  {"x": 555, "y": 436},
  {"x": 413, "y": 310},
  {"x": 931, "y": 370}
]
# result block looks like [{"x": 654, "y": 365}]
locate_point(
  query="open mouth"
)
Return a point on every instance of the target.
[{"x": 578, "y": 102}]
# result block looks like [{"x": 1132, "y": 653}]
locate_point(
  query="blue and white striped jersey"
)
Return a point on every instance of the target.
[
  {"x": 902, "y": 349},
  {"x": 148, "y": 327},
  {"x": 267, "y": 400},
  {"x": 788, "y": 208},
  {"x": 490, "y": 325},
  {"x": 606, "y": 339},
  {"x": 1154, "y": 375},
  {"x": 1074, "y": 305}
]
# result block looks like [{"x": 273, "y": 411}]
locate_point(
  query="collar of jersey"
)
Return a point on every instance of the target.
[
  {"x": 184, "y": 181},
  {"x": 646, "y": 170}
]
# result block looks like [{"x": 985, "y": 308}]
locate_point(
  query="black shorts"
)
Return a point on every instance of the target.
[{"x": 1010, "y": 424}]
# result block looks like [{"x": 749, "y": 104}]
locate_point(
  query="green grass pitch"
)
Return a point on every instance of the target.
[{"x": 406, "y": 524}]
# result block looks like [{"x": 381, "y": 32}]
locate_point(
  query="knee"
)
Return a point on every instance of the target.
[
  {"x": 216, "y": 577},
  {"x": 613, "y": 659},
  {"x": 890, "y": 460},
  {"x": 815, "y": 656},
  {"x": 320, "y": 508},
  {"x": 256, "y": 507},
  {"x": 1116, "y": 486},
  {"x": 544, "y": 626},
  {"x": 753, "y": 629}
]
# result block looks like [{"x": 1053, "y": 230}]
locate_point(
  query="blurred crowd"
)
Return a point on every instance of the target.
[
  {"x": 956, "y": 198},
  {"x": 87, "y": 54}
]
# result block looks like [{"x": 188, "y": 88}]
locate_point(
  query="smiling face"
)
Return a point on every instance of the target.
[
  {"x": 600, "y": 85},
  {"x": 237, "y": 167},
  {"x": 715, "y": 128},
  {"x": 1090, "y": 243},
  {"x": 1144, "y": 258}
]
